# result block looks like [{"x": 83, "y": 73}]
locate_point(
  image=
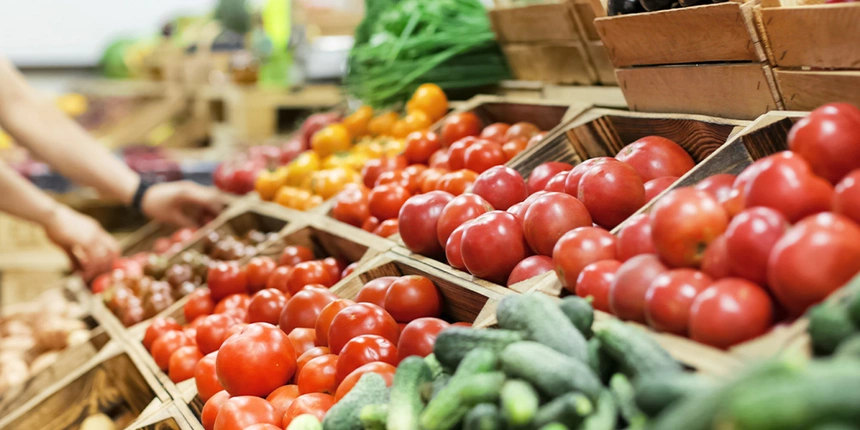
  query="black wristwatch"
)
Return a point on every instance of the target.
[{"x": 137, "y": 200}]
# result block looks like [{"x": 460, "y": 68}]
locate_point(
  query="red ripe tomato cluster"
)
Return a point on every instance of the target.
[
  {"x": 269, "y": 341},
  {"x": 448, "y": 162},
  {"x": 721, "y": 261},
  {"x": 509, "y": 229}
]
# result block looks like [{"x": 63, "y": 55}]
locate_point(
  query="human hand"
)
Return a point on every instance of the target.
[
  {"x": 91, "y": 249},
  {"x": 182, "y": 204}
]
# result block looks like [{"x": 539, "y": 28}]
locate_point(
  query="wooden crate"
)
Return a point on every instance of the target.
[
  {"x": 144, "y": 238},
  {"x": 814, "y": 49},
  {"x": 545, "y": 114},
  {"x": 555, "y": 63},
  {"x": 171, "y": 416}
]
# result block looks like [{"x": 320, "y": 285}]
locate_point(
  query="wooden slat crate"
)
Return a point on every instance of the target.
[
  {"x": 814, "y": 49},
  {"x": 171, "y": 416},
  {"x": 545, "y": 114},
  {"x": 702, "y": 60},
  {"x": 144, "y": 238}
]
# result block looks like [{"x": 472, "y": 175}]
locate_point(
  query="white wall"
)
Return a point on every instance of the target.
[{"x": 75, "y": 32}]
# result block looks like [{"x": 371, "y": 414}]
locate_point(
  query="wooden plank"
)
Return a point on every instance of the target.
[
  {"x": 814, "y": 36},
  {"x": 600, "y": 96},
  {"x": 545, "y": 114},
  {"x": 741, "y": 91},
  {"x": 688, "y": 35},
  {"x": 535, "y": 23},
  {"x": 602, "y": 63},
  {"x": 585, "y": 13},
  {"x": 554, "y": 63},
  {"x": 807, "y": 90}
]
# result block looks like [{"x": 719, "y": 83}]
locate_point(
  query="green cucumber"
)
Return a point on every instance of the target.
[
  {"x": 829, "y": 325},
  {"x": 541, "y": 320},
  {"x": 835, "y": 426},
  {"x": 624, "y": 396},
  {"x": 550, "y": 371},
  {"x": 599, "y": 361},
  {"x": 305, "y": 422},
  {"x": 519, "y": 402},
  {"x": 478, "y": 360},
  {"x": 605, "y": 416},
  {"x": 849, "y": 348},
  {"x": 852, "y": 302},
  {"x": 453, "y": 402},
  {"x": 374, "y": 417},
  {"x": 434, "y": 365},
  {"x": 569, "y": 409},
  {"x": 485, "y": 416},
  {"x": 636, "y": 352},
  {"x": 453, "y": 343},
  {"x": 554, "y": 426},
  {"x": 580, "y": 312},
  {"x": 654, "y": 393},
  {"x": 406, "y": 405},
  {"x": 344, "y": 415}
]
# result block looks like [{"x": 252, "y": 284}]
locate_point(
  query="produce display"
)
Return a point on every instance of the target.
[{"x": 431, "y": 171}]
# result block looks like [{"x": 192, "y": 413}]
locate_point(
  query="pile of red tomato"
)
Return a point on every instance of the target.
[
  {"x": 264, "y": 348},
  {"x": 722, "y": 261},
  {"x": 508, "y": 229},
  {"x": 450, "y": 161}
]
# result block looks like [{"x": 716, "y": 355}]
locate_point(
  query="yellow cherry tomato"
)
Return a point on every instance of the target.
[
  {"x": 358, "y": 121},
  {"x": 394, "y": 147},
  {"x": 292, "y": 197},
  {"x": 340, "y": 159},
  {"x": 332, "y": 138},
  {"x": 312, "y": 202},
  {"x": 302, "y": 166},
  {"x": 268, "y": 182},
  {"x": 417, "y": 121},
  {"x": 381, "y": 125},
  {"x": 327, "y": 183},
  {"x": 430, "y": 99}
]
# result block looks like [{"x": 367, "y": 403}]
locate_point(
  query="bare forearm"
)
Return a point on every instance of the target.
[
  {"x": 22, "y": 199},
  {"x": 54, "y": 138}
]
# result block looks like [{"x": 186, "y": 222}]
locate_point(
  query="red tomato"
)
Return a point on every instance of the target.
[
  {"x": 414, "y": 173},
  {"x": 512, "y": 148},
  {"x": 308, "y": 273},
  {"x": 374, "y": 291},
  {"x": 718, "y": 186},
  {"x": 538, "y": 138},
  {"x": 211, "y": 409},
  {"x": 422, "y": 214},
  {"x": 498, "y": 231},
  {"x": 303, "y": 339},
  {"x": 683, "y": 223},
  {"x": 543, "y": 173},
  {"x": 595, "y": 280},
  {"x": 654, "y": 157},
  {"x": 657, "y": 186},
  {"x": 459, "y": 125},
  {"x": 749, "y": 239},
  {"x": 396, "y": 177},
  {"x": 365, "y": 349},
  {"x": 270, "y": 365},
  {"x": 101, "y": 283},
  {"x": 525, "y": 130},
  {"x": 335, "y": 267},
  {"x": 382, "y": 369},
  {"x": 183, "y": 362},
  {"x": 846, "y": 201},
  {"x": 501, "y": 187},
  {"x": 571, "y": 184},
  {"x": 235, "y": 305},
  {"x": 385, "y": 201},
  {"x": 411, "y": 297},
  {"x": 166, "y": 344},
  {"x": 158, "y": 327},
  {"x": 303, "y": 309},
  {"x": 258, "y": 271},
  {"x": 239, "y": 413},
  {"x": 829, "y": 139},
  {"x": 458, "y": 182},
  {"x": 374, "y": 167},
  {"x": 213, "y": 331},
  {"x": 206, "y": 378},
  {"x": 325, "y": 317},
  {"x": 371, "y": 224},
  {"x": 495, "y": 132},
  {"x": 318, "y": 375},
  {"x": 579, "y": 248},
  {"x": 295, "y": 254},
  {"x": 453, "y": 254},
  {"x": 226, "y": 278},
  {"x": 627, "y": 293},
  {"x": 556, "y": 184},
  {"x": 264, "y": 426},
  {"x": 420, "y": 145},
  {"x": 316, "y": 404},
  {"x": 635, "y": 237},
  {"x": 670, "y": 297},
  {"x": 349, "y": 270},
  {"x": 715, "y": 262},
  {"x": 359, "y": 319},
  {"x": 266, "y": 306},
  {"x": 520, "y": 213},
  {"x": 612, "y": 191},
  {"x": 283, "y": 397},
  {"x": 462, "y": 208},
  {"x": 729, "y": 312},
  {"x": 309, "y": 355},
  {"x": 818, "y": 255},
  {"x": 388, "y": 228},
  {"x": 439, "y": 160},
  {"x": 784, "y": 182},
  {"x": 550, "y": 217},
  {"x": 279, "y": 278},
  {"x": 130, "y": 267},
  {"x": 483, "y": 155},
  {"x": 351, "y": 205},
  {"x": 529, "y": 268},
  {"x": 457, "y": 153},
  {"x": 419, "y": 337},
  {"x": 199, "y": 303}
]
